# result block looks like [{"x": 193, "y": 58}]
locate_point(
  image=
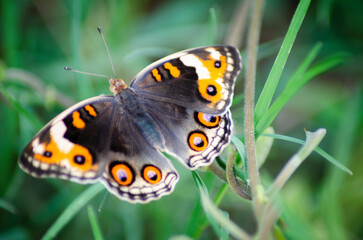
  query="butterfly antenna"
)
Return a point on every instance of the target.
[
  {"x": 86, "y": 73},
  {"x": 108, "y": 52}
]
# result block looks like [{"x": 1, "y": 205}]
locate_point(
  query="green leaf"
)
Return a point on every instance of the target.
[
  {"x": 213, "y": 28},
  {"x": 290, "y": 89},
  {"x": 318, "y": 150},
  {"x": 96, "y": 229},
  {"x": 5, "y": 204},
  {"x": 274, "y": 77},
  {"x": 72, "y": 210},
  {"x": 242, "y": 152},
  {"x": 19, "y": 108},
  {"x": 297, "y": 81},
  {"x": 215, "y": 215},
  {"x": 312, "y": 141},
  {"x": 263, "y": 147}
]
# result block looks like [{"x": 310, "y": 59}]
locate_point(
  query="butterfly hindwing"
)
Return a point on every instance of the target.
[
  {"x": 136, "y": 170},
  {"x": 195, "y": 138}
]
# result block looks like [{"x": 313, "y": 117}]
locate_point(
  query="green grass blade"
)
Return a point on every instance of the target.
[
  {"x": 6, "y": 205},
  {"x": 240, "y": 173},
  {"x": 96, "y": 229},
  {"x": 325, "y": 65},
  {"x": 83, "y": 84},
  {"x": 312, "y": 141},
  {"x": 10, "y": 39},
  {"x": 213, "y": 28},
  {"x": 318, "y": 150},
  {"x": 271, "y": 113},
  {"x": 72, "y": 210},
  {"x": 242, "y": 152},
  {"x": 263, "y": 147},
  {"x": 220, "y": 195},
  {"x": 237, "y": 100},
  {"x": 274, "y": 77},
  {"x": 215, "y": 215},
  {"x": 348, "y": 132},
  {"x": 19, "y": 108},
  {"x": 203, "y": 189},
  {"x": 297, "y": 81}
]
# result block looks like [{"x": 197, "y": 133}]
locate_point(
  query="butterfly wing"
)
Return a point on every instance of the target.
[
  {"x": 72, "y": 146},
  {"x": 200, "y": 79},
  {"x": 188, "y": 95},
  {"x": 194, "y": 138},
  {"x": 100, "y": 139},
  {"x": 136, "y": 170}
]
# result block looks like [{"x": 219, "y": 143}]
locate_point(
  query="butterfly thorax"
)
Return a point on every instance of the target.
[
  {"x": 138, "y": 118},
  {"x": 116, "y": 85}
]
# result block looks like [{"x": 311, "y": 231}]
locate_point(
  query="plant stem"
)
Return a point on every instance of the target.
[
  {"x": 232, "y": 181},
  {"x": 252, "y": 44},
  {"x": 236, "y": 32},
  {"x": 268, "y": 222}
]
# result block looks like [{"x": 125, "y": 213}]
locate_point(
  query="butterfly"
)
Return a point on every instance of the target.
[{"x": 178, "y": 105}]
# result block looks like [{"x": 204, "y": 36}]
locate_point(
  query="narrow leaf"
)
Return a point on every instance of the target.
[
  {"x": 318, "y": 150},
  {"x": 312, "y": 141},
  {"x": 72, "y": 210},
  {"x": 274, "y": 77},
  {"x": 216, "y": 215},
  {"x": 96, "y": 229}
]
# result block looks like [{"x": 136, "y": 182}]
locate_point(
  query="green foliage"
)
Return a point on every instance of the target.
[{"x": 309, "y": 76}]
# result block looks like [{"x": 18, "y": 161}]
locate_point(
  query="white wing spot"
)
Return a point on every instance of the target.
[
  {"x": 37, "y": 147},
  {"x": 191, "y": 60},
  {"x": 214, "y": 54},
  {"x": 57, "y": 132}
]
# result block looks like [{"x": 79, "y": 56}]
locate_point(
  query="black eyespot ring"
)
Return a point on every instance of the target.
[
  {"x": 79, "y": 159},
  {"x": 151, "y": 174},
  {"x": 207, "y": 120},
  {"x": 47, "y": 154},
  {"x": 217, "y": 64},
  {"x": 122, "y": 173},
  {"x": 197, "y": 141},
  {"x": 211, "y": 90}
]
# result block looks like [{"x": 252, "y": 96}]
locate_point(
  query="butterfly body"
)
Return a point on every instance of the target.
[{"x": 179, "y": 105}]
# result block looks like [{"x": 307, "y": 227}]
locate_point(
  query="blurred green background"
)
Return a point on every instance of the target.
[{"x": 40, "y": 37}]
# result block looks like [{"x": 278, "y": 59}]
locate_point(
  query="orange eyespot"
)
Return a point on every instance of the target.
[
  {"x": 198, "y": 141},
  {"x": 151, "y": 174},
  {"x": 207, "y": 120},
  {"x": 210, "y": 90},
  {"x": 122, "y": 173},
  {"x": 79, "y": 157}
]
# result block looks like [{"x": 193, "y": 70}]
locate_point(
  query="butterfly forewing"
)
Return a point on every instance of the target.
[
  {"x": 200, "y": 79},
  {"x": 72, "y": 145}
]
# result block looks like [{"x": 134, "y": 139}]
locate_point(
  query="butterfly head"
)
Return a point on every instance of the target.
[{"x": 116, "y": 85}]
